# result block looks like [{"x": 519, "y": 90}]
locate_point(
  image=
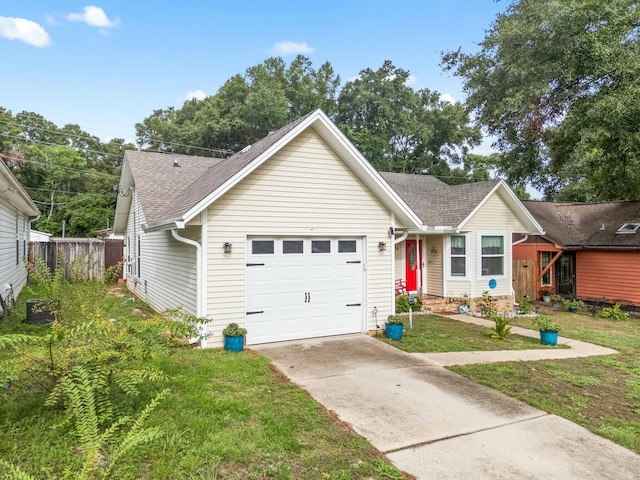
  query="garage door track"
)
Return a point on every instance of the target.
[{"x": 435, "y": 424}]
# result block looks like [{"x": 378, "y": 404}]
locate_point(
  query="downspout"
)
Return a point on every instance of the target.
[
  {"x": 522, "y": 240},
  {"x": 193, "y": 243}
]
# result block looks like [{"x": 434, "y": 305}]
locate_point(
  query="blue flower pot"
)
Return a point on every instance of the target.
[
  {"x": 234, "y": 344},
  {"x": 393, "y": 331},
  {"x": 548, "y": 338}
]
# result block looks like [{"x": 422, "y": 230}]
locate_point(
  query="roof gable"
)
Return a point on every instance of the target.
[
  {"x": 442, "y": 206},
  {"x": 219, "y": 178}
]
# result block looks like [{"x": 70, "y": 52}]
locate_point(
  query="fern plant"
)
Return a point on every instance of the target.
[{"x": 615, "y": 313}]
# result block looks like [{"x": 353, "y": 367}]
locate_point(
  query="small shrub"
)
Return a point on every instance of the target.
[
  {"x": 614, "y": 313},
  {"x": 394, "y": 320},
  {"x": 524, "y": 305},
  {"x": 544, "y": 323},
  {"x": 489, "y": 305},
  {"x": 403, "y": 304},
  {"x": 234, "y": 330}
]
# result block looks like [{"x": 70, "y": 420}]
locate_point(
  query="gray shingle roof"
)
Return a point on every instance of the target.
[
  {"x": 215, "y": 176},
  {"x": 576, "y": 225},
  {"x": 435, "y": 202},
  {"x": 159, "y": 183}
]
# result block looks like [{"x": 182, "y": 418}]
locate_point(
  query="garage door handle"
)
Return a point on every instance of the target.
[
  {"x": 255, "y": 264},
  {"x": 354, "y": 304},
  {"x": 354, "y": 261},
  {"x": 255, "y": 312}
]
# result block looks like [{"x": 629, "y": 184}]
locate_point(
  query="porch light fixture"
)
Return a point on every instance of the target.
[
  {"x": 382, "y": 246},
  {"x": 226, "y": 247},
  {"x": 434, "y": 249}
]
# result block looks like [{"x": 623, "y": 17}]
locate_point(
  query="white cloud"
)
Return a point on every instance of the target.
[
  {"x": 94, "y": 17},
  {"x": 25, "y": 31},
  {"x": 197, "y": 95},
  {"x": 411, "y": 79},
  {"x": 447, "y": 98},
  {"x": 290, "y": 48}
]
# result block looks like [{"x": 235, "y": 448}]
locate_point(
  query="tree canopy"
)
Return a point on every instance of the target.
[
  {"x": 69, "y": 174},
  {"x": 556, "y": 81}
]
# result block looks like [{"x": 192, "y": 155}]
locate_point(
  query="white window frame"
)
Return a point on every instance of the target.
[
  {"x": 494, "y": 255},
  {"x": 450, "y": 256}
]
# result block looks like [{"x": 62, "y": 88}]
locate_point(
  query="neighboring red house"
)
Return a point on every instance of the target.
[{"x": 589, "y": 250}]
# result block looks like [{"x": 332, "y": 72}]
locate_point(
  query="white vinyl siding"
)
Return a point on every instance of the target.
[
  {"x": 304, "y": 190},
  {"x": 162, "y": 270},
  {"x": 14, "y": 235},
  {"x": 495, "y": 217}
]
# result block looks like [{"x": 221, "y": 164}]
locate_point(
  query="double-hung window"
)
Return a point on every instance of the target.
[
  {"x": 492, "y": 255},
  {"x": 458, "y": 256}
]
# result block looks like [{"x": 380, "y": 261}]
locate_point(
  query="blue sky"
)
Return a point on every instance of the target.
[{"x": 106, "y": 65}]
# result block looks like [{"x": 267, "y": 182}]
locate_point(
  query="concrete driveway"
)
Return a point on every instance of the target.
[{"x": 435, "y": 424}]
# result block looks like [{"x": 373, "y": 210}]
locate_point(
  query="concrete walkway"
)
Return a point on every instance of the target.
[
  {"x": 435, "y": 424},
  {"x": 578, "y": 349}
]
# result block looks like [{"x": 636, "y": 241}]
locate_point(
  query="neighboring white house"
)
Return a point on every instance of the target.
[
  {"x": 298, "y": 236},
  {"x": 16, "y": 208},
  {"x": 38, "y": 236}
]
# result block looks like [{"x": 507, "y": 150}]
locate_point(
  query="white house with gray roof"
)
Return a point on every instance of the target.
[
  {"x": 298, "y": 236},
  {"x": 16, "y": 211}
]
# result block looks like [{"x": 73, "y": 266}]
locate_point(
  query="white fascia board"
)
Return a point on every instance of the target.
[
  {"x": 366, "y": 172},
  {"x": 15, "y": 193},
  {"x": 345, "y": 150},
  {"x": 233, "y": 181},
  {"x": 514, "y": 203},
  {"x": 177, "y": 223},
  {"x": 123, "y": 202}
]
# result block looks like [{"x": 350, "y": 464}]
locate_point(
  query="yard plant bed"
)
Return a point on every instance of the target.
[
  {"x": 433, "y": 333},
  {"x": 600, "y": 393},
  {"x": 226, "y": 416}
]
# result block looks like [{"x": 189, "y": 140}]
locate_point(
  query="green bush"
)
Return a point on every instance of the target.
[
  {"x": 402, "y": 303},
  {"x": 614, "y": 313}
]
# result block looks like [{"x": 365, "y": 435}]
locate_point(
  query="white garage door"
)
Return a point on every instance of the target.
[{"x": 303, "y": 288}]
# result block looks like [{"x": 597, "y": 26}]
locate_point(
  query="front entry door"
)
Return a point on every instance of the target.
[
  {"x": 413, "y": 263},
  {"x": 566, "y": 272}
]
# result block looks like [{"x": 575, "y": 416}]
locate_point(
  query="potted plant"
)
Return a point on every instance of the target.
[
  {"x": 548, "y": 329},
  {"x": 573, "y": 305},
  {"x": 394, "y": 327},
  {"x": 556, "y": 301},
  {"x": 234, "y": 337},
  {"x": 546, "y": 295}
]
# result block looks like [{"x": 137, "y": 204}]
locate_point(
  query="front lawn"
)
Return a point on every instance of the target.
[
  {"x": 601, "y": 393},
  {"x": 433, "y": 333},
  {"x": 226, "y": 416}
]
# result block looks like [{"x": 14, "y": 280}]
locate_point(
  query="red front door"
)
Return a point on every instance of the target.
[{"x": 413, "y": 262}]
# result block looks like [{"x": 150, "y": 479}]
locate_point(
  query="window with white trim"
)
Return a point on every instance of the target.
[
  {"x": 458, "y": 256},
  {"x": 492, "y": 254}
]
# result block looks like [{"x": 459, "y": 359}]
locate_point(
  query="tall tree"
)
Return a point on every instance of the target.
[
  {"x": 268, "y": 96},
  {"x": 402, "y": 130},
  {"x": 556, "y": 81}
]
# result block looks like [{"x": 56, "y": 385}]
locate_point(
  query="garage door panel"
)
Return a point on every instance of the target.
[{"x": 304, "y": 295}]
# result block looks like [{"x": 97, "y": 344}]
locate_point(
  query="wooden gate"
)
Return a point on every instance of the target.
[
  {"x": 113, "y": 252},
  {"x": 524, "y": 278}
]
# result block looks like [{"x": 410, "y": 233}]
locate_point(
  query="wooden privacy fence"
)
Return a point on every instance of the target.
[
  {"x": 524, "y": 280},
  {"x": 84, "y": 258}
]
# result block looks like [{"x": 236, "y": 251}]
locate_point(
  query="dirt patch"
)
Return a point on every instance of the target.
[
  {"x": 116, "y": 291},
  {"x": 142, "y": 313}
]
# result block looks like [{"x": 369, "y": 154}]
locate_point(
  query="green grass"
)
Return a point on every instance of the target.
[
  {"x": 228, "y": 416},
  {"x": 601, "y": 393},
  {"x": 433, "y": 333}
]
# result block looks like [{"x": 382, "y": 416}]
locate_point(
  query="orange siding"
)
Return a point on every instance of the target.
[
  {"x": 608, "y": 274},
  {"x": 530, "y": 251}
]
